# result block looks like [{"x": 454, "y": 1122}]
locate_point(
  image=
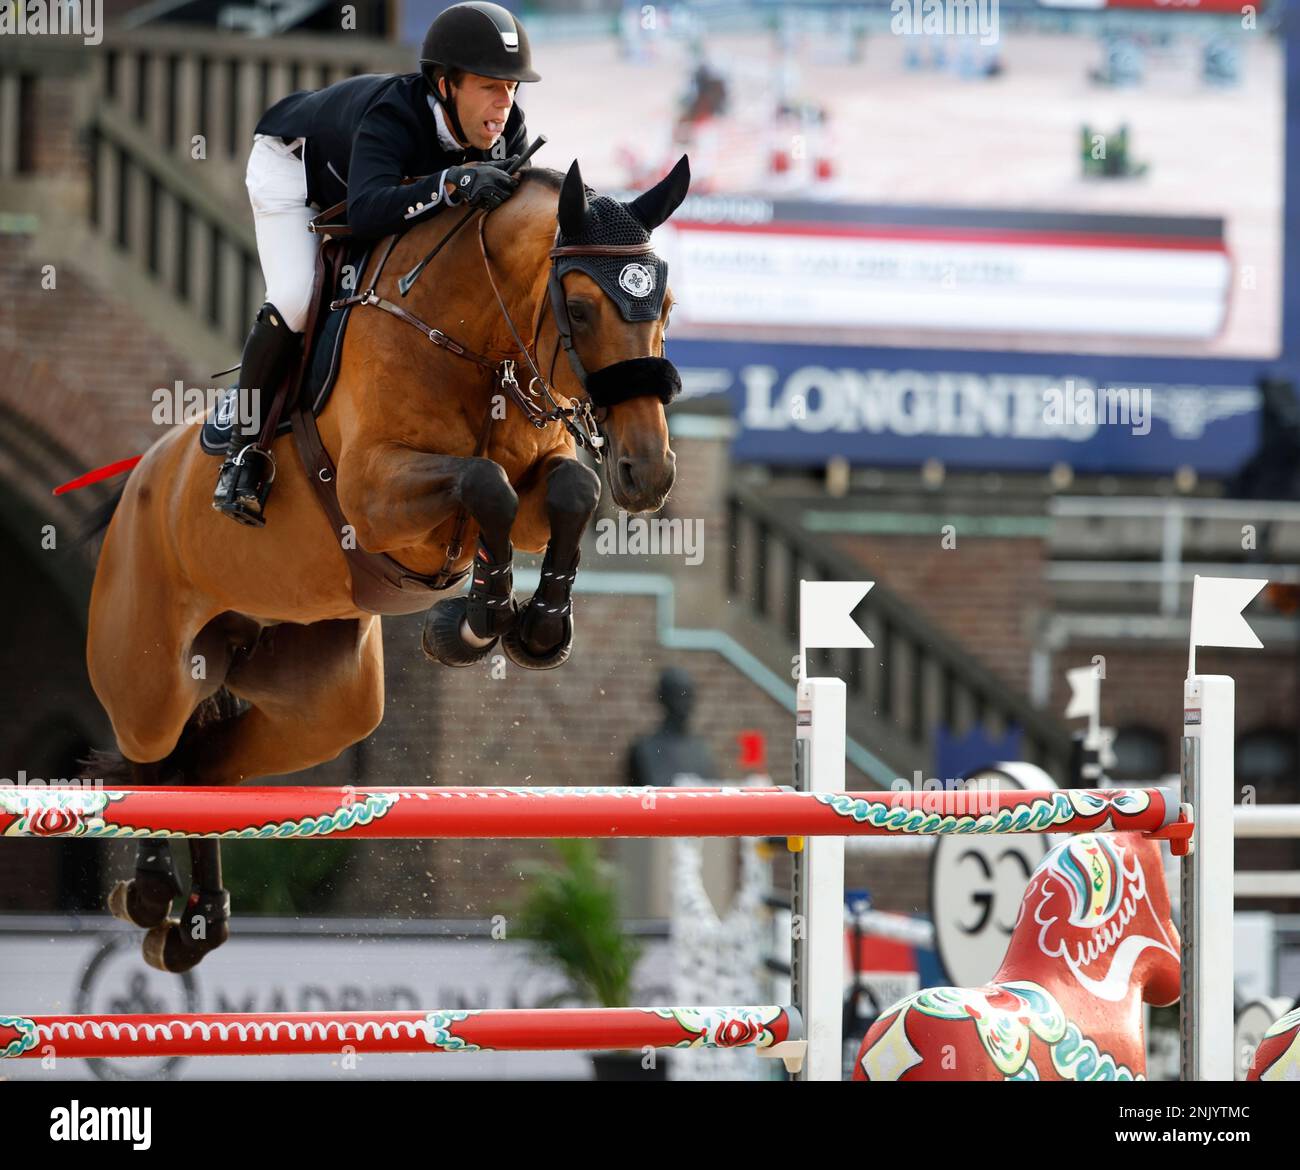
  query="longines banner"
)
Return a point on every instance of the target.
[{"x": 803, "y": 404}]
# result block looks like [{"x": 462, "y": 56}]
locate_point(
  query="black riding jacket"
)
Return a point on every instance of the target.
[{"x": 365, "y": 135}]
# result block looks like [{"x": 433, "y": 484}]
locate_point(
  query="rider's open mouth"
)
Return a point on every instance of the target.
[{"x": 494, "y": 127}]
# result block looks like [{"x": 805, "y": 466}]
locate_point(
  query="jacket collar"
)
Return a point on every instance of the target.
[{"x": 446, "y": 139}]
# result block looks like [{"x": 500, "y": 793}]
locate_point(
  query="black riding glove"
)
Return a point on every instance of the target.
[{"x": 481, "y": 185}]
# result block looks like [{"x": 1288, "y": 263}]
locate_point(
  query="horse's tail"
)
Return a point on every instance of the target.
[
  {"x": 98, "y": 519},
  {"x": 114, "y": 769}
]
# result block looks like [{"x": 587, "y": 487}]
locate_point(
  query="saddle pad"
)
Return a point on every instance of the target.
[{"x": 318, "y": 380}]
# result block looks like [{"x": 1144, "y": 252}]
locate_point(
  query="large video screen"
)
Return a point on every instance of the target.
[{"x": 1101, "y": 182}]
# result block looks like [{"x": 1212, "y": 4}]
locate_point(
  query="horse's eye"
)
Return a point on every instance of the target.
[{"x": 577, "y": 311}]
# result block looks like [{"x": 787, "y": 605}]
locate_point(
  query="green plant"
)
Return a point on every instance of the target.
[
  {"x": 571, "y": 917},
  {"x": 285, "y": 878}
]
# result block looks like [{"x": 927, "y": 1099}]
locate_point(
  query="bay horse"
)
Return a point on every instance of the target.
[
  {"x": 223, "y": 654},
  {"x": 1093, "y": 941}
]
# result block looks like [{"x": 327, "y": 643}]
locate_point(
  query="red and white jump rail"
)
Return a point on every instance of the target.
[
  {"x": 812, "y": 1049},
  {"x": 767, "y": 1028},
  {"x": 513, "y": 813}
]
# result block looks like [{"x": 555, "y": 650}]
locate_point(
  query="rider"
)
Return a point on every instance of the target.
[{"x": 454, "y": 125}]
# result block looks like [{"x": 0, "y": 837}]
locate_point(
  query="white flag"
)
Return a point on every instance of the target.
[
  {"x": 1085, "y": 692},
  {"x": 824, "y": 608},
  {"x": 1217, "y": 603}
]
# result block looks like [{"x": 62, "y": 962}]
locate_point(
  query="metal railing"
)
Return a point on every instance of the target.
[
  {"x": 1278, "y": 821},
  {"x": 1212, "y": 527},
  {"x": 915, "y": 680},
  {"x": 189, "y": 243},
  {"x": 175, "y": 84}
]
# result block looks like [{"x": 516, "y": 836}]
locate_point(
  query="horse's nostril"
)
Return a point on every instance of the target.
[{"x": 626, "y": 474}]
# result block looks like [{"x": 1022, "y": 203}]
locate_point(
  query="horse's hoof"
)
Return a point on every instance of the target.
[
  {"x": 513, "y": 644},
  {"x": 168, "y": 948},
  {"x": 159, "y": 946},
  {"x": 144, "y": 900},
  {"x": 441, "y": 638}
]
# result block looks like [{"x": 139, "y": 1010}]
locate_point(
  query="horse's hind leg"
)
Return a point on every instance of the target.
[
  {"x": 176, "y": 945},
  {"x": 146, "y": 899},
  {"x": 314, "y": 691},
  {"x": 151, "y": 706},
  {"x": 543, "y": 637},
  {"x": 157, "y": 716}
]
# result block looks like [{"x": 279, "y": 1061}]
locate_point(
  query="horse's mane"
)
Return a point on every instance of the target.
[{"x": 548, "y": 177}]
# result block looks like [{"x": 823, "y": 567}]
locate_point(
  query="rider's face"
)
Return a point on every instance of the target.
[{"x": 483, "y": 105}]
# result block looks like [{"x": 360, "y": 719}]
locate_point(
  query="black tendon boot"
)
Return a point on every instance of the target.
[
  {"x": 245, "y": 478},
  {"x": 490, "y": 602}
]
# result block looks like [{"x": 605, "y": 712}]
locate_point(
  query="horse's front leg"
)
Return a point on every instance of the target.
[
  {"x": 543, "y": 637},
  {"x": 400, "y": 496}
]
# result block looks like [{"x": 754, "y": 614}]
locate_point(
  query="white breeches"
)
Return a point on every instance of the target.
[{"x": 277, "y": 189}]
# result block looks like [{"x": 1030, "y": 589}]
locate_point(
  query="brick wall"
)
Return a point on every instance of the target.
[
  {"x": 50, "y": 126},
  {"x": 1144, "y": 681},
  {"x": 987, "y": 592},
  {"x": 79, "y": 364}
]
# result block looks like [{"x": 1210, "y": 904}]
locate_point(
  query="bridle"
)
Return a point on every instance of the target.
[{"x": 537, "y": 403}]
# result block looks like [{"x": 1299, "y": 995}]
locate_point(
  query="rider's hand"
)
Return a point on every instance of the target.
[
  {"x": 478, "y": 185},
  {"x": 481, "y": 185}
]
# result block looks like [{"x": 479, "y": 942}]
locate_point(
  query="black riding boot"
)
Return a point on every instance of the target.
[{"x": 245, "y": 478}]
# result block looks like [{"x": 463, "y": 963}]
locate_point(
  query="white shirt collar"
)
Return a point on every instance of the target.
[{"x": 445, "y": 137}]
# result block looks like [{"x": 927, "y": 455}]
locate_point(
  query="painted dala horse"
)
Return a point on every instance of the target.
[
  {"x": 222, "y": 653},
  {"x": 1093, "y": 941},
  {"x": 1278, "y": 1056}
]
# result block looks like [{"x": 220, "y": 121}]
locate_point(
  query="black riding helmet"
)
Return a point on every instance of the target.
[{"x": 477, "y": 37}]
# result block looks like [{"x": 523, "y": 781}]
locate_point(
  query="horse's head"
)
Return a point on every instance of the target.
[
  {"x": 1097, "y": 915},
  {"x": 609, "y": 303}
]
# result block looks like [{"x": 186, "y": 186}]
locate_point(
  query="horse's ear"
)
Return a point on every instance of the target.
[
  {"x": 657, "y": 204},
  {"x": 573, "y": 203}
]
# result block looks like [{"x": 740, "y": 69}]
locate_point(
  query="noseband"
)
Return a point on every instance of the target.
[{"x": 606, "y": 387}]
